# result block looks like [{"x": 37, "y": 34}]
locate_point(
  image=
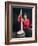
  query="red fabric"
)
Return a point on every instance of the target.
[
  {"x": 26, "y": 22},
  {"x": 19, "y": 18}
]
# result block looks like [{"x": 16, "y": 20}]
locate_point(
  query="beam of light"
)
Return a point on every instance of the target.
[{"x": 21, "y": 20}]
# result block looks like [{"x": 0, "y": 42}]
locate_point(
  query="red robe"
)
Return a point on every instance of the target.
[{"x": 26, "y": 22}]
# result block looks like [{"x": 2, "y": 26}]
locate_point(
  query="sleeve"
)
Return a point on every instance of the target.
[{"x": 19, "y": 19}]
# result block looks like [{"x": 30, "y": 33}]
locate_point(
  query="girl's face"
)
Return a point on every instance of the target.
[{"x": 25, "y": 16}]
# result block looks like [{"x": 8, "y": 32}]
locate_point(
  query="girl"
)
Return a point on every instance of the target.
[{"x": 26, "y": 24}]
